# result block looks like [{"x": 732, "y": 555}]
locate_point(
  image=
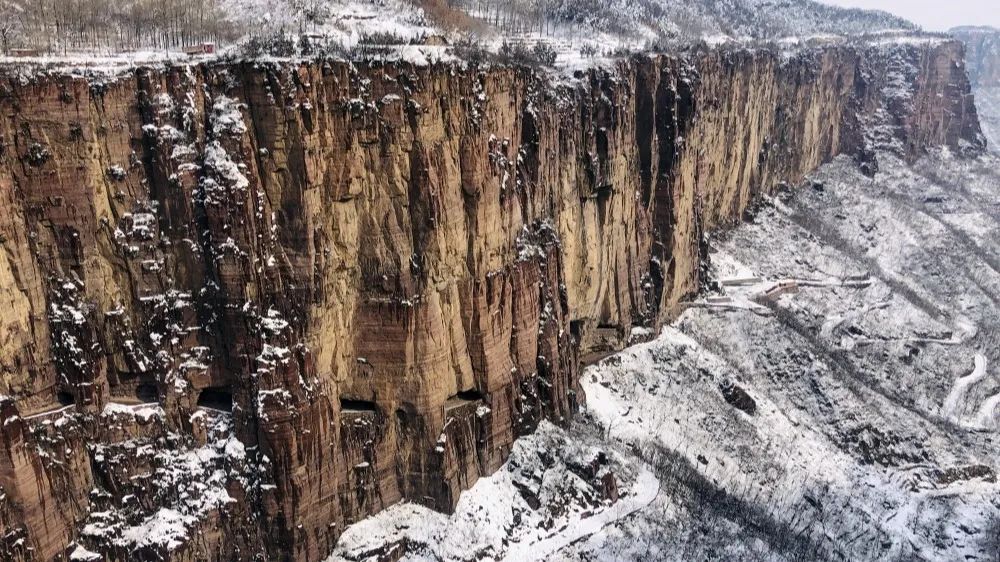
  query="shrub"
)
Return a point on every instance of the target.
[
  {"x": 384, "y": 38},
  {"x": 37, "y": 154},
  {"x": 542, "y": 54},
  {"x": 274, "y": 45},
  {"x": 472, "y": 51}
]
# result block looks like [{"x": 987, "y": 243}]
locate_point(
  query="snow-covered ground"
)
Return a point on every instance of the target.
[
  {"x": 843, "y": 407},
  {"x": 581, "y": 33},
  {"x": 556, "y": 488}
]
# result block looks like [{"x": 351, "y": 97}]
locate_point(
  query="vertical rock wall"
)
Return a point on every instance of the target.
[{"x": 245, "y": 305}]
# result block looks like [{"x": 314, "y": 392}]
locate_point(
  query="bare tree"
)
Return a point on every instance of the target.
[{"x": 11, "y": 23}]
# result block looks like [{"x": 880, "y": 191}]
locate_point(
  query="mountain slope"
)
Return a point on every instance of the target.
[
  {"x": 758, "y": 19},
  {"x": 853, "y": 418}
]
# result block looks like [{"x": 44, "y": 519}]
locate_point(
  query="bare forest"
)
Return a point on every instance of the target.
[{"x": 104, "y": 26}]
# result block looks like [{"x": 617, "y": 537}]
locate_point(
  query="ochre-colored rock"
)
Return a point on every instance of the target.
[{"x": 386, "y": 273}]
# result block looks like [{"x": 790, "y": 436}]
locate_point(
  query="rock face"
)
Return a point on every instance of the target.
[
  {"x": 247, "y": 304},
  {"x": 982, "y": 54}
]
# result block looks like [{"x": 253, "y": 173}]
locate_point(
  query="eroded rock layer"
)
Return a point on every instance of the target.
[{"x": 245, "y": 305}]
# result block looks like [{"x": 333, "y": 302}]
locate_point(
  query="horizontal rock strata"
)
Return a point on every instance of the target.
[{"x": 245, "y": 305}]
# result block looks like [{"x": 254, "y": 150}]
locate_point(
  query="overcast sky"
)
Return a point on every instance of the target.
[{"x": 935, "y": 15}]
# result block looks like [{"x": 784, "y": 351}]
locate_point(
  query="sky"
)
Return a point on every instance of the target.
[{"x": 935, "y": 15}]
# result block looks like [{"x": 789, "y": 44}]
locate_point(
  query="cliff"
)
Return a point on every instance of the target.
[
  {"x": 247, "y": 304},
  {"x": 982, "y": 46}
]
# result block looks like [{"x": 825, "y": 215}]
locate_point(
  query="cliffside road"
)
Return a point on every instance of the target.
[
  {"x": 958, "y": 400},
  {"x": 849, "y": 450}
]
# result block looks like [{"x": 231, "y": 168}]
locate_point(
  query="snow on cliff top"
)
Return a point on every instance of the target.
[{"x": 583, "y": 33}]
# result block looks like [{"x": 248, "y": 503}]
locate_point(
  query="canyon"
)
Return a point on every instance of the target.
[{"x": 247, "y": 304}]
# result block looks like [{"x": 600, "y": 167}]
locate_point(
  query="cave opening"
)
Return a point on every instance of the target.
[
  {"x": 470, "y": 395},
  {"x": 350, "y": 405},
  {"x": 147, "y": 392},
  {"x": 65, "y": 398},
  {"x": 216, "y": 398}
]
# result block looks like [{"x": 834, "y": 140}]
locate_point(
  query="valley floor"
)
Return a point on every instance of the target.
[{"x": 836, "y": 398}]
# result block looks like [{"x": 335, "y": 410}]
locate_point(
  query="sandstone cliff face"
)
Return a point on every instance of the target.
[{"x": 245, "y": 305}]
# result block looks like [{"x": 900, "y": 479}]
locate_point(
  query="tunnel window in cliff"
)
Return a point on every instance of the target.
[
  {"x": 146, "y": 392},
  {"x": 465, "y": 400},
  {"x": 217, "y": 398},
  {"x": 65, "y": 398},
  {"x": 351, "y": 406},
  {"x": 470, "y": 395}
]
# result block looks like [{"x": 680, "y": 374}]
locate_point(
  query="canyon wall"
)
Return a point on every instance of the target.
[
  {"x": 247, "y": 304},
  {"x": 983, "y": 62},
  {"x": 982, "y": 46}
]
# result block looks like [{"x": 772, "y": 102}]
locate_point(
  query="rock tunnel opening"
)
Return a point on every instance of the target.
[
  {"x": 216, "y": 398},
  {"x": 65, "y": 398},
  {"x": 470, "y": 395},
  {"x": 351, "y": 405},
  {"x": 147, "y": 392}
]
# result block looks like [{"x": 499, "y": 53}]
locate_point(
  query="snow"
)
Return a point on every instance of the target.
[
  {"x": 185, "y": 484},
  {"x": 218, "y": 161},
  {"x": 144, "y": 412},
  {"x": 957, "y": 400},
  {"x": 851, "y": 449},
  {"x": 583, "y": 35},
  {"x": 271, "y": 355},
  {"x": 166, "y": 527},
  {"x": 988, "y": 103},
  {"x": 646, "y": 489},
  {"x": 81, "y": 554},
  {"x": 227, "y": 118},
  {"x": 273, "y": 322},
  {"x": 987, "y": 417},
  {"x": 344, "y": 23},
  {"x": 485, "y": 523}
]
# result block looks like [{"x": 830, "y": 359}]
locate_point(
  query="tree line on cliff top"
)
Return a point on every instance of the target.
[
  {"x": 61, "y": 26},
  {"x": 103, "y": 26}
]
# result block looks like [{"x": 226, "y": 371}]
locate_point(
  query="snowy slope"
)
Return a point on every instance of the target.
[
  {"x": 255, "y": 28},
  {"x": 853, "y": 416},
  {"x": 344, "y": 21},
  {"x": 757, "y": 19}
]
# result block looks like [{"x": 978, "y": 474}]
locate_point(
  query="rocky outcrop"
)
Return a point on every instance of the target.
[{"x": 247, "y": 304}]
